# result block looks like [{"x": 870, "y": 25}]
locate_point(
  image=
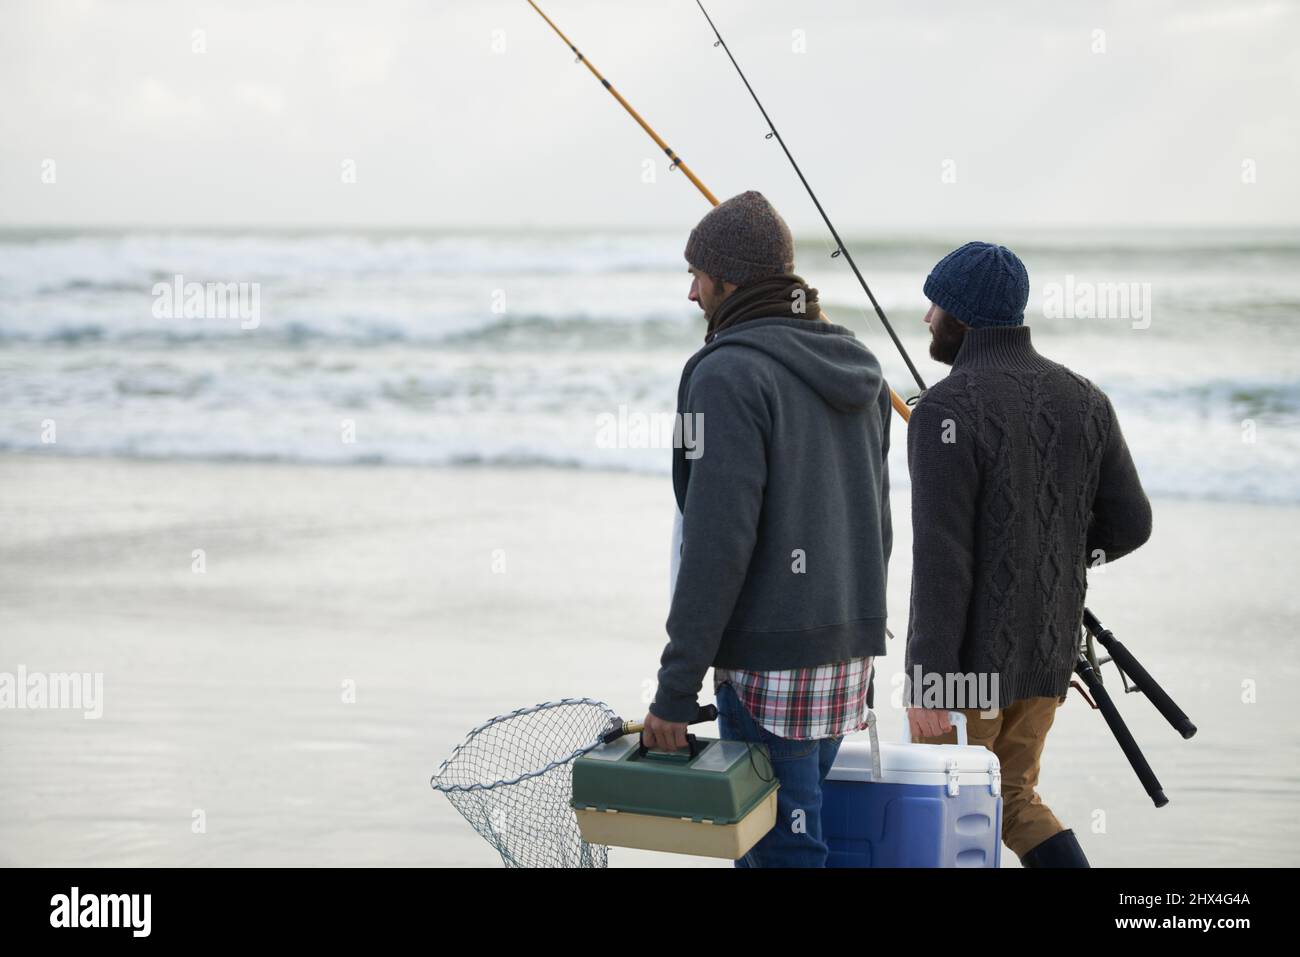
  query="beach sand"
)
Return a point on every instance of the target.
[{"x": 224, "y": 691}]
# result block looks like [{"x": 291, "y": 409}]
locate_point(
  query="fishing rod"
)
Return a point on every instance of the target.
[
  {"x": 1088, "y": 667},
  {"x": 840, "y": 248},
  {"x": 900, "y": 405},
  {"x": 1129, "y": 667},
  {"x": 676, "y": 160}
]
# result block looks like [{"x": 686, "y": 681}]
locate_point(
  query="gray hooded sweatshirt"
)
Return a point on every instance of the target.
[{"x": 784, "y": 499}]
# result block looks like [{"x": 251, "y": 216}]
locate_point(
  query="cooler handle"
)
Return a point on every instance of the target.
[
  {"x": 956, "y": 717},
  {"x": 874, "y": 734}
]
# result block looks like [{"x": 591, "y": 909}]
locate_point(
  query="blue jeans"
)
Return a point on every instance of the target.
[{"x": 800, "y": 766}]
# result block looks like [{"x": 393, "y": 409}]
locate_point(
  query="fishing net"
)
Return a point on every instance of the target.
[{"x": 511, "y": 778}]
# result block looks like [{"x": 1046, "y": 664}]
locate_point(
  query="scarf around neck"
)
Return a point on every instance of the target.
[{"x": 782, "y": 296}]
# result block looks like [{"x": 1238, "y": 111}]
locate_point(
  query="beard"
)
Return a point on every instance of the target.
[
  {"x": 710, "y": 303},
  {"x": 947, "y": 335},
  {"x": 710, "y": 299}
]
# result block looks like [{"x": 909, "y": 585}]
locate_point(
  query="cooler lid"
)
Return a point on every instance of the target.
[{"x": 913, "y": 763}]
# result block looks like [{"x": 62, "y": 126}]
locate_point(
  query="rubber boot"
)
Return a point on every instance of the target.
[{"x": 1059, "y": 850}]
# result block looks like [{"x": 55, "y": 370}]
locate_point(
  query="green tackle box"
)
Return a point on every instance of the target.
[{"x": 715, "y": 800}]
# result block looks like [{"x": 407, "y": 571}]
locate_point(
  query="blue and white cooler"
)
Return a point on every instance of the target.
[{"x": 913, "y": 805}]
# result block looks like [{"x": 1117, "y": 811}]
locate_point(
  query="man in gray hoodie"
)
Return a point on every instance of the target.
[{"x": 784, "y": 521}]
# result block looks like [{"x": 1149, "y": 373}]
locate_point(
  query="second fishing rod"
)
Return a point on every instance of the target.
[{"x": 840, "y": 248}]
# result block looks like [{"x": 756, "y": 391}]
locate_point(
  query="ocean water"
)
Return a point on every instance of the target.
[{"x": 456, "y": 348}]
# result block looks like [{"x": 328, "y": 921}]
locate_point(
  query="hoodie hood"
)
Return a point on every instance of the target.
[{"x": 829, "y": 358}]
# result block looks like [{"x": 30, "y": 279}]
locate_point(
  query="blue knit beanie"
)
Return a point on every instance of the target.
[{"x": 980, "y": 284}]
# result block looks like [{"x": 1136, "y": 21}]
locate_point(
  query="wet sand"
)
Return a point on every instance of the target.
[{"x": 225, "y": 692}]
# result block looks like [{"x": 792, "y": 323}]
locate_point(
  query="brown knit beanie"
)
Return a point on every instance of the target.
[{"x": 742, "y": 240}]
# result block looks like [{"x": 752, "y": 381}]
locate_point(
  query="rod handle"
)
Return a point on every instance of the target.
[
  {"x": 1083, "y": 668},
  {"x": 1141, "y": 677}
]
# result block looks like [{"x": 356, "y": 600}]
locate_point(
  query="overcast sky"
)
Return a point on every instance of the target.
[{"x": 465, "y": 113}]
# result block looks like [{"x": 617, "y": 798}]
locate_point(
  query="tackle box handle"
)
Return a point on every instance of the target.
[
  {"x": 703, "y": 715},
  {"x": 643, "y": 752}
]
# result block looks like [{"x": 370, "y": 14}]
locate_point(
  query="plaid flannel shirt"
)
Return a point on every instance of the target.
[{"x": 804, "y": 703}]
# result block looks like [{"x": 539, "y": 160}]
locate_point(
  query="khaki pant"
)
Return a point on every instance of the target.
[{"x": 1016, "y": 734}]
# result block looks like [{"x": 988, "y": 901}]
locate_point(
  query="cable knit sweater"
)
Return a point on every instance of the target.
[{"x": 1020, "y": 480}]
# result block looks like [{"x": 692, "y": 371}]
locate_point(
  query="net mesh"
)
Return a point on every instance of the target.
[{"x": 511, "y": 779}]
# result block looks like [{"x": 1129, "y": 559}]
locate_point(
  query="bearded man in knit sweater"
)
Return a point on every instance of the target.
[
  {"x": 783, "y": 521},
  {"x": 1021, "y": 480}
]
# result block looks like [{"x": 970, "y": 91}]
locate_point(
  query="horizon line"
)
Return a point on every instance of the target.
[{"x": 799, "y": 234}]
